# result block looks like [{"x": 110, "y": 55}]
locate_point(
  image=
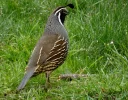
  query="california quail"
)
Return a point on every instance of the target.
[{"x": 52, "y": 48}]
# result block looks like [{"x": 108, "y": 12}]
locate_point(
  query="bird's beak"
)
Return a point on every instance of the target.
[
  {"x": 66, "y": 12},
  {"x": 69, "y": 5}
]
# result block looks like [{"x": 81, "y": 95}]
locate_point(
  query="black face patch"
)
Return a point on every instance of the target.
[
  {"x": 61, "y": 14},
  {"x": 62, "y": 17}
]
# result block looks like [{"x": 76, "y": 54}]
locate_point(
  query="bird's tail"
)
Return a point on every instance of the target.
[{"x": 27, "y": 76}]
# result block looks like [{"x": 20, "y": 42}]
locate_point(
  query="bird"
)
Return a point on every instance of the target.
[{"x": 52, "y": 48}]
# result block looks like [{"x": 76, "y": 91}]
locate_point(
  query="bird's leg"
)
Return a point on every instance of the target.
[{"x": 47, "y": 81}]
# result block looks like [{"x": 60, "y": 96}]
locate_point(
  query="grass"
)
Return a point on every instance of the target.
[{"x": 98, "y": 31}]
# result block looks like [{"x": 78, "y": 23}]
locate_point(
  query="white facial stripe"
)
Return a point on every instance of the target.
[
  {"x": 59, "y": 19},
  {"x": 59, "y": 10}
]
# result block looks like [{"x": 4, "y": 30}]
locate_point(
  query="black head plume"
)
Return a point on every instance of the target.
[
  {"x": 63, "y": 7},
  {"x": 70, "y": 5}
]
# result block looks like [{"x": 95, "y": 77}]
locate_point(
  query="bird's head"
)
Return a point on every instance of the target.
[{"x": 61, "y": 12}]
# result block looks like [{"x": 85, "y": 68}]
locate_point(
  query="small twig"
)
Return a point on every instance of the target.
[{"x": 72, "y": 76}]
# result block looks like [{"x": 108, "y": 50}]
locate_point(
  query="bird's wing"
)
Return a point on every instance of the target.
[
  {"x": 56, "y": 56},
  {"x": 42, "y": 50}
]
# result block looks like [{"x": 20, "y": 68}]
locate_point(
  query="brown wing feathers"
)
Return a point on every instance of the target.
[{"x": 56, "y": 57}]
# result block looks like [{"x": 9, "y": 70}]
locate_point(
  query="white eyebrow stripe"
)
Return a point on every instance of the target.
[{"x": 59, "y": 10}]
